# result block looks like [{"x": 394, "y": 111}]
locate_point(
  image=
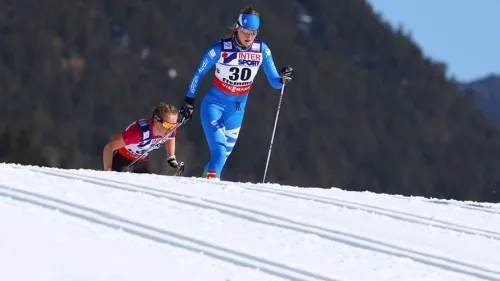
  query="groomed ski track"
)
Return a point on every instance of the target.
[{"x": 209, "y": 230}]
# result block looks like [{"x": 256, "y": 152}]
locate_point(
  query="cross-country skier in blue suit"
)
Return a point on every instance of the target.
[{"x": 237, "y": 59}]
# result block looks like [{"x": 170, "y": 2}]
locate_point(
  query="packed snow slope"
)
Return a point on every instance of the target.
[{"x": 69, "y": 225}]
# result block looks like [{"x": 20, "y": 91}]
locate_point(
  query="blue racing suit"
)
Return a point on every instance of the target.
[{"x": 223, "y": 107}]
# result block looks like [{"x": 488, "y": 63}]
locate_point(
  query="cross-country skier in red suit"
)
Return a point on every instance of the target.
[{"x": 140, "y": 136}]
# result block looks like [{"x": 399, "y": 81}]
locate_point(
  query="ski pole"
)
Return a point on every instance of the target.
[
  {"x": 129, "y": 166},
  {"x": 274, "y": 130}
]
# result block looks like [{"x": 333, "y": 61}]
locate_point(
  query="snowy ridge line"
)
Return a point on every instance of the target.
[
  {"x": 262, "y": 217},
  {"x": 160, "y": 235},
  {"x": 395, "y": 214}
]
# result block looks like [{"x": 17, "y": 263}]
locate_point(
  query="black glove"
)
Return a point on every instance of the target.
[
  {"x": 286, "y": 74},
  {"x": 172, "y": 161},
  {"x": 186, "y": 112}
]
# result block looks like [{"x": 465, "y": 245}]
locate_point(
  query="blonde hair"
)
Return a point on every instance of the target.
[
  {"x": 246, "y": 11},
  {"x": 162, "y": 109}
]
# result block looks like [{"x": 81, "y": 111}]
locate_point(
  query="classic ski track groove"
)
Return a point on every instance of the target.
[
  {"x": 160, "y": 235},
  {"x": 350, "y": 239},
  {"x": 468, "y": 206},
  {"x": 491, "y": 208},
  {"x": 480, "y": 207},
  {"x": 395, "y": 214}
]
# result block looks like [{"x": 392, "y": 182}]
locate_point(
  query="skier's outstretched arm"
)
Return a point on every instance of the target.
[
  {"x": 274, "y": 78},
  {"x": 170, "y": 147},
  {"x": 107, "y": 154},
  {"x": 212, "y": 54}
]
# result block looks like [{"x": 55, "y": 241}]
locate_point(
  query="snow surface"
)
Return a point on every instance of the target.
[{"x": 73, "y": 225}]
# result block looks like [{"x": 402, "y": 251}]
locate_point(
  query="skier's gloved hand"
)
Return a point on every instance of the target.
[
  {"x": 172, "y": 161},
  {"x": 286, "y": 74},
  {"x": 186, "y": 111}
]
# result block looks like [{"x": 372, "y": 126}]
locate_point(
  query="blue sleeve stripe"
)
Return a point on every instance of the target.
[
  {"x": 210, "y": 57},
  {"x": 270, "y": 68}
]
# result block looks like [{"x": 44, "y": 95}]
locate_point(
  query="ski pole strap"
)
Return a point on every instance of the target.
[{"x": 180, "y": 170}]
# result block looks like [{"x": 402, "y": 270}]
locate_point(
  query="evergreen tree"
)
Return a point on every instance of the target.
[{"x": 366, "y": 111}]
